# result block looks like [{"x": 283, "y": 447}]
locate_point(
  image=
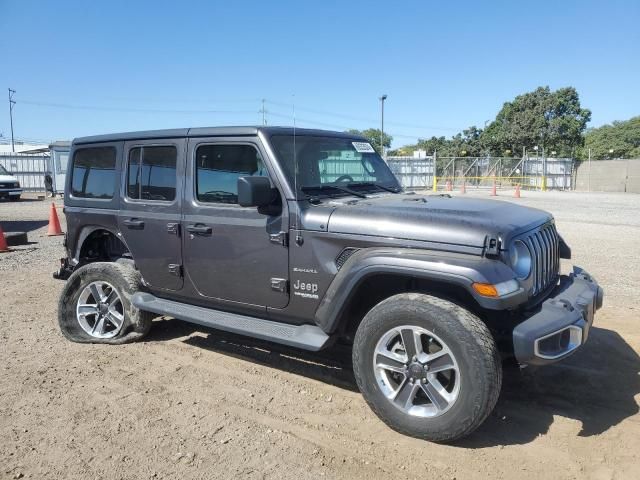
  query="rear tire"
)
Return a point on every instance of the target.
[
  {"x": 427, "y": 367},
  {"x": 95, "y": 305}
]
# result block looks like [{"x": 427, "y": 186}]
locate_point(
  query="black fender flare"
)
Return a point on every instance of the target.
[
  {"x": 458, "y": 270},
  {"x": 86, "y": 231}
]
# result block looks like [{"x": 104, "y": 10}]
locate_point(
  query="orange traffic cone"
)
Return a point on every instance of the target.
[
  {"x": 463, "y": 188},
  {"x": 517, "y": 194},
  {"x": 493, "y": 190},
  {"x": 3, "y": 242},
  {"x": 54, "y": 224}
]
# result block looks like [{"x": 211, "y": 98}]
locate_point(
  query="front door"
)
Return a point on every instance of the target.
[
  {"x": 149, "y": 217},
  {"x": 231, "y": 253}
]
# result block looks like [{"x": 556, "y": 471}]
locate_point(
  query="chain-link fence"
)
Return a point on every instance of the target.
[{"x": 483, "y": 172}]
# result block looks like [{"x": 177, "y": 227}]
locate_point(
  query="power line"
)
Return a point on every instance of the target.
[
  {"x": 264, "y": 102},
  {"x": 361, "y": 119},
  {"x": 129, "y": 109},
  {"x": 335, "y": 126},
  {"x": 262, "y": 111}
]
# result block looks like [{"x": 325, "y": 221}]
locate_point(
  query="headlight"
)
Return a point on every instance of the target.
[{"x": 520, "y": 257}]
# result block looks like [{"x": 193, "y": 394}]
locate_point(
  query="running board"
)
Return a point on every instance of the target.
[{"x": 308, "y": 337}]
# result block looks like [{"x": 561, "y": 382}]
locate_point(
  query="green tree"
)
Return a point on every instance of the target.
[
  {"x": 374, "y": 135},
  {"x": 623, "y": 137},
  {"x": 553, "y": 120},
  {"x": 432, "y": 144},
  {"x": 468, "y": 141}
]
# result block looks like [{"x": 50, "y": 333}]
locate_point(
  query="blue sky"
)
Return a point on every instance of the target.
[{"x": 95, "y": 67}]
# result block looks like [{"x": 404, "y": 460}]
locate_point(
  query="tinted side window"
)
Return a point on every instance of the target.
[
  {"x": 152, "y": 173},
  {"x": 218, "y": 168},
  {"x": 94, "y": 173}
]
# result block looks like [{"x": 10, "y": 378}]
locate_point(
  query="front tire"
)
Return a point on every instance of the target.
[
  {"x": 14, "y": 198},
  {"x": 427, "y": 367},
  {"x": 95, "y": 305}
]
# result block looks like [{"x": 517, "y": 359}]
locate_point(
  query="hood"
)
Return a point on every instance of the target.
[
  {"x": 434, "y": 218},
  {"x": 7, "y": 178}
]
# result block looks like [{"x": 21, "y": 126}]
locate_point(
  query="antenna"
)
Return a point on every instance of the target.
[
  {"x": 295, "y": 160},
  {"x": 299, "y": 239}
]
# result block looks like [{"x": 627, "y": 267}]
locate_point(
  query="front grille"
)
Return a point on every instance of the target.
[
  {"x": 544, "y": 247},
  {"x": 6, "y": 185}
]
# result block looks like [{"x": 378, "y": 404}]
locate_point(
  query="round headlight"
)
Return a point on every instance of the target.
[{"x": 520, "y": 259}]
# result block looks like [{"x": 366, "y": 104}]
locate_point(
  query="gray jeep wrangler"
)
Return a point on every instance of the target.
[{"x": 305, "y": 238}]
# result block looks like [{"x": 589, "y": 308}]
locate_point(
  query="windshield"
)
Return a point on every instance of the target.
[
  {"x": 3, "y": 171},
  {"x": 333, "y": 166}
]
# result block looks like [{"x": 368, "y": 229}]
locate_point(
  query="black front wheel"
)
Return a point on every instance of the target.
[{"x": 427, "y": 367}]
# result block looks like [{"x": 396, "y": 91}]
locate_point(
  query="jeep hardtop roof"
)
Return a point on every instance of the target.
[{"x": 209, "y": 132}]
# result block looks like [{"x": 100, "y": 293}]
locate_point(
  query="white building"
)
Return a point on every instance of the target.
[{"x": 21, "y": 147}]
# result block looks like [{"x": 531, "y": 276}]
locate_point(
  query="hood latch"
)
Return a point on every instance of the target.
[{"x": 491, "y": 246}]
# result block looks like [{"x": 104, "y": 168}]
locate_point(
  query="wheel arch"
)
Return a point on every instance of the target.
[
  {"x": 371, "y": 275},
  {"x": 99, "y": 243}
]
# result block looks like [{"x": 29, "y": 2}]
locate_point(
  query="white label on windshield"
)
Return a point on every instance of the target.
[{"x": 363, "y": 147}]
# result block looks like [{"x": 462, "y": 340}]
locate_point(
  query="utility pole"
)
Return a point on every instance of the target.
[
  {"x": 382, "y": 99},
  {"x": 264, "y": 113},
  {"x": 11, "y": 104},
  {"x": 435, "y": 178},
  {"x": 544, "y": 171},
  {"x": 589, "y": 184}
]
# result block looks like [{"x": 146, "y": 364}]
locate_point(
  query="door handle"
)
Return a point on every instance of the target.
[
  {"x": 199, "y": 229},
  {"x": 134, "y": 223}
]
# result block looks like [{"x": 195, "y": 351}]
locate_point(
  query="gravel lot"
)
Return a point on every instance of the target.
[{"x": 195, "y": 403}]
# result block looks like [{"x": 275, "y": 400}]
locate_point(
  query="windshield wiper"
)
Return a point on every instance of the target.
[
  {"x": 333, "y": 187},
  {"x": 219, "y": 193},
  {"x": 372, "y": 184}
]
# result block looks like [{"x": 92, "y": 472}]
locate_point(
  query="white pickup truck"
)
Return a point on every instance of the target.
[{"x": 9, "y": 185}]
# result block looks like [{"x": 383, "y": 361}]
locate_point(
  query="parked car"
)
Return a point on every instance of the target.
[
  {"x": 9, "y": 185},
  {"x": 305, "y": 238}
]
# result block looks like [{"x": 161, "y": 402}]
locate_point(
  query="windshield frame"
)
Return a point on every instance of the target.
[{"x": 388, "y": 185}]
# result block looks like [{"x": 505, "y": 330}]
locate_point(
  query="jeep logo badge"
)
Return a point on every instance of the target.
[{"x": 306, "y": 290}]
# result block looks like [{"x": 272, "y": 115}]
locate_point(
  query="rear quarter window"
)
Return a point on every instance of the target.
[{"x": 94, "y": 173}]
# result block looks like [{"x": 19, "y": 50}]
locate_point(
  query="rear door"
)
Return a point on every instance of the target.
[
  {"x": 149, "y": 217},
  {"x": 232, "y": 254}
]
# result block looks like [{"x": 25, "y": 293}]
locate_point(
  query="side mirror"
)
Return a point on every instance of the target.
[{"x": 254, "y": 191}]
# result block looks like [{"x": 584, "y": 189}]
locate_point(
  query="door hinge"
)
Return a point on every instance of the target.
[
  {"x": 491, "y": 246},
  {"x": 281, "y": 238},
  {"x": 280, "y": 285},
  {"x": 175, "y": 269},
  {"x": 173, "y": 228}
]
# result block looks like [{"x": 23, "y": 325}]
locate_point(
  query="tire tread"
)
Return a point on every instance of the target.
[{"x": 484, "y": 354}]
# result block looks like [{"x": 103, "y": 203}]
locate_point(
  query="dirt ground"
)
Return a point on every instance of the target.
[{"x": 191, "y": 403}]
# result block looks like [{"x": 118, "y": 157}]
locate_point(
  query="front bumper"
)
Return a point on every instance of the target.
[
  {"x": 563, "y": 322},
  {"x": 10, "y": 192}
]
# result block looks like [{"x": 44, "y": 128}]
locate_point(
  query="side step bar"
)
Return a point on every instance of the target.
[{"x": 308, "y": 337}]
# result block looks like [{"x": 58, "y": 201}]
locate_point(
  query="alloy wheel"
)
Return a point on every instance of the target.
[
  {"x": 99, "y": 310},
  {"x": 416, "y": 371}
]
